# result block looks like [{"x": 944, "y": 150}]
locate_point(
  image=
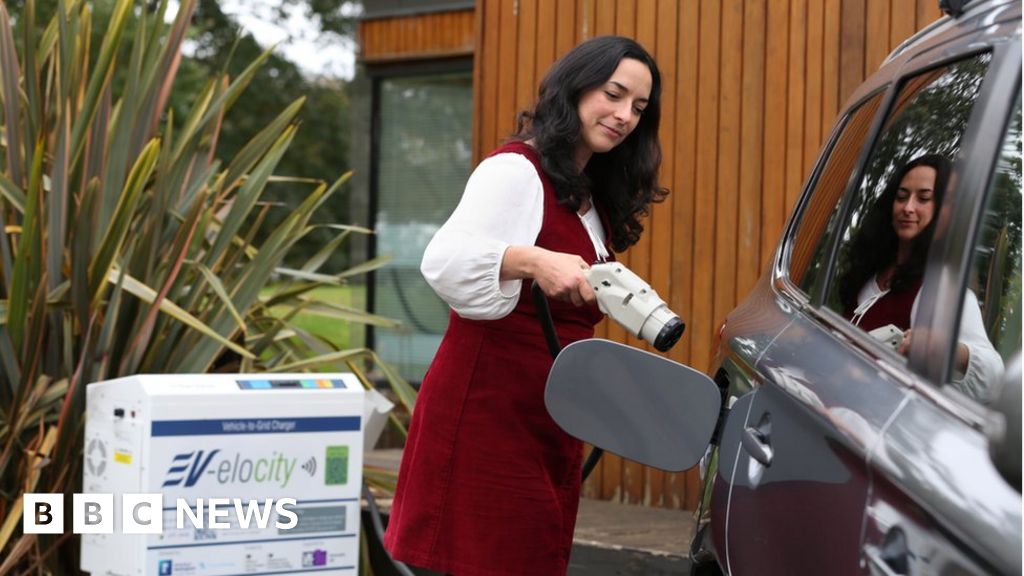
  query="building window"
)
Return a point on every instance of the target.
[{"x": 423, "y": 155}]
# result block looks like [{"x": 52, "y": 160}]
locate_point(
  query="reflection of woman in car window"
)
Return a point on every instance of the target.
[{"x": 887, "y": 260}]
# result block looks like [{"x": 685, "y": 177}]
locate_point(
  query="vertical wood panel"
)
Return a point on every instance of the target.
[
  {"x": 640, "y": 255},
  {"x": 851, "y": 47},
  {"x": 774, "y": 127},
  {"x": 724, "y": 187},
  {"x": 748, "y": 265},
  {"x": 635, "y": 476},
  {"x": 661, "y": 217},
  {"x": 604, "y": 17},
  {"x": 901, "y": 23},
  {"x": 546, "y": 34},
  {"x": 488, "y": 101},
  {"x": 877, "y": 36},
  {"x": 708, "y": 95},
  {"x": 727, "y": 195},
  {"x": 795, "y": 104},
  {"x": 625, "y": 19},
  {"x": 410, "y": 36},
  {"x": 526, "y": 54},
  {"x": 413, "y": 37},
  {"x": 585, "y": 19},
  {"x": 477, "y": 121},
  {"x": 617, "y": 469},
  {"x": 507, "y": 53},
  {"x": 565, "y": 36},
  {"x": 614, "y": 474},
  {"x": 830, "y": 66},
  {"x": 927, "y": 12},
  {"x": 751, "y": 88},
  {"x": 813, "y": 83},
  {"x": 685, "y": 160}
]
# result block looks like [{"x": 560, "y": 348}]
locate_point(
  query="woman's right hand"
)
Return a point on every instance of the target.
[{"x": 559, "y": 275}]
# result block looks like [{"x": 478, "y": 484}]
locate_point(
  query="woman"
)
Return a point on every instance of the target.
[
  {"x": 488, "y": 483},
  {"x": 888, "y": 255}
]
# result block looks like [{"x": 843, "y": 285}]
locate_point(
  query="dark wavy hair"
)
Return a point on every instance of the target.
[
  {"x": 875, "y": 244},
  {"x": 622, "y": 181}
]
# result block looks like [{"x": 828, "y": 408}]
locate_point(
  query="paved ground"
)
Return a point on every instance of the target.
[
  {"x": 614, "y": 539},
  {"x": 618, "y": 539}
]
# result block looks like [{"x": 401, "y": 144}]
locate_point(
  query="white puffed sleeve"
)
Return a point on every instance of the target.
[
  {"x": 984, "y": 364},
  {"x": 503, "y": 205}
]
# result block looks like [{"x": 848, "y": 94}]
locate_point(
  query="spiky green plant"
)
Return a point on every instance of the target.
[{"x": 128, "y": 247}]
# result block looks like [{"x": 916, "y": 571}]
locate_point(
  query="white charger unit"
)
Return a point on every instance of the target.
[{"x": 236, "y": 436}]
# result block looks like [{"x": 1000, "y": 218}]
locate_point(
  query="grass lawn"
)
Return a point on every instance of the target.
[{"x": 341, "y": 333}]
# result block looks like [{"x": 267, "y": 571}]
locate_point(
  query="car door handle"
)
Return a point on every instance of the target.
[
  {"x": 892, "y": 557},
  {"x": 757, "y": 444}
]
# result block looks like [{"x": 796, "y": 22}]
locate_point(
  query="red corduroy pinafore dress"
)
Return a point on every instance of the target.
[
  {"x": 892, "y": 308},
  {"x": 489, "y": 484}
]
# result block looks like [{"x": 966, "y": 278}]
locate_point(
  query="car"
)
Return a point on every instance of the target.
[
  {"x": 846, "y": 448},
  {"x": 839, "y": 453}
]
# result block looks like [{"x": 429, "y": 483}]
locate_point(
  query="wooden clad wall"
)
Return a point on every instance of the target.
[
  {"x": 418, "y": 37},
  {"x": 751, "y": 90}
]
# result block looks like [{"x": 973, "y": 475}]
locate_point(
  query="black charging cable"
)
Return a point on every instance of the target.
[
  {"x": 378, "y": 529},
  {"x": 547, "y": 323}
]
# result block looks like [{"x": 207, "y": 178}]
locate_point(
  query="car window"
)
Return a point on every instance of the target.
[
  {"x": 891, "y": 213},
  {"x": 990, "y": 323},
  {"x": 817, "y": 221}
]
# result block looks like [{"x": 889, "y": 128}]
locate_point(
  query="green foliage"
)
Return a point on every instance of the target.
[
  {"x": 319, "y": 150},
  {"x": 128, "y": 245},
  {"x": 932, "y": 120}
]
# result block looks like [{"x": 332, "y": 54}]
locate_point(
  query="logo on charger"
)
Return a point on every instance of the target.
[
  {"x": 316, "y": 557},
  {"x": 187, "y": 468},
  {"x": 180, "y": 464}
]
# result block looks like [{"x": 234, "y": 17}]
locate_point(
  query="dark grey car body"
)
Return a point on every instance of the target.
[
  {"x": 838, "y": 456},
  {"x": 832, "y": 453}
]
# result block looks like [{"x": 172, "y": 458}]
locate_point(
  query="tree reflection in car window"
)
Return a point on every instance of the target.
[
  {"x": 996, "y": 259},
  {"x": 929, "y": 115},
  {"x": 928, "y": 118},
  {"x": 818, "y": 219}
]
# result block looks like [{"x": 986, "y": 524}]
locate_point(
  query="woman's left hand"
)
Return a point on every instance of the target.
[
  {"x": 904, "y": 347},
  {"x": 960, "y": 361}
]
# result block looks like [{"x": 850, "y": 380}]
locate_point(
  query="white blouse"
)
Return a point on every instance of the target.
[
  {"x": 984, "y": 365},
  {"x": 502, "y": 206}
]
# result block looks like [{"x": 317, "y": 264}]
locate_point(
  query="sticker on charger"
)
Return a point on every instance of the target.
[
  {"x": 255, "y": 426},
  {"x": 336, "y": 471},
  {"x": 317, "y": 519},
  {"x": 305, "y": 384}
]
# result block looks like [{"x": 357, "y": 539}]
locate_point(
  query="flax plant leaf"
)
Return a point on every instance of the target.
[{"x": 129, "y": 242}]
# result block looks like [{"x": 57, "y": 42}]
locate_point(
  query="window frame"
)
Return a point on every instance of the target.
[
  {"x": 782, "y": 268},
  {"x": 901, "y": 80},
  {"x": 377, "y": 74},
  {"x": 919, "y": 371},
  {"x": 950, "y": 259},
  {"x": 971, "y": 270}
]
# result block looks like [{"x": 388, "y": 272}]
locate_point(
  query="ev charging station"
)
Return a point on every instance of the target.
[{"x": 243, "y": 440}]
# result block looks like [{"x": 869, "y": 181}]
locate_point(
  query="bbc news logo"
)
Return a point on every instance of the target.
[
  {"x": 187, "y": 468},
  {"x": 43, "y": 513}
]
